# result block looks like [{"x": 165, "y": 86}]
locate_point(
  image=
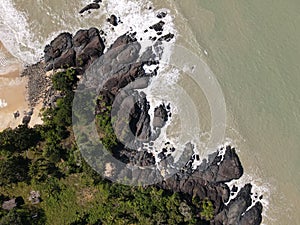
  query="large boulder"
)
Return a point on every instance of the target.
[
  {"x": 123, "y": 41},
  {"x": 160, "y": 116},
  {"x": 253, "y": 215},
  {"x": 224, "y": 170},
  {"x": 66, "y": 60},
  {"x": 232, "y": 213},
  {"x": 230, "y": 167},
  {"x": 56, "y": 47},
  {"x": 81, "y": 50},
  {"x": 88, "y": 46}
]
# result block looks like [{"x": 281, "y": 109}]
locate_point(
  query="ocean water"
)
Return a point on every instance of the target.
[{"x": 252, "y": 47}]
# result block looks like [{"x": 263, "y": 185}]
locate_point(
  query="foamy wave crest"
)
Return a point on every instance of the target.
[
  {"x": 3, "y": 103},
  {"x": 15, "y": 35},
  {"x": 136, "y": 16}
]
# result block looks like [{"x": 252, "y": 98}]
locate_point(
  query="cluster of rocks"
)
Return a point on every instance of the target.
[
  {"x": 123, "y": 75},
  {"x": 209, "y": 181},
  {"x": 38, "y": 82},
  {"x": 113, "y": 19},
  {"x": 79, "y": 51}
]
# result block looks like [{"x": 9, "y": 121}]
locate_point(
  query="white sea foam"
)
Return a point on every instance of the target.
[
  {"x": 259, "y": 188},
  {"x": 3, "y": 103},
  {"x": 15, "y": 34},
  {"x": 135, "y": 16}
]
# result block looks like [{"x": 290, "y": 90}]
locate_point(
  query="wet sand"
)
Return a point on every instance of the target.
[{"x": 13, "y": 92}]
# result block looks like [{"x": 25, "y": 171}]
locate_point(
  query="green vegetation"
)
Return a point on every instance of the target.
[
  {"x": 46, "y": 159},
  {"x": 207, "y": 209},
  {"x": 105, "y": 128}
]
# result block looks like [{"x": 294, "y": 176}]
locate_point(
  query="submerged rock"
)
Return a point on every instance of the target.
[
  {"x": 161, "y": 15},
  {"x": 113, "y": 20},
  {"x": 158, "y": 26},
  {"x": 90, "y": 6}
]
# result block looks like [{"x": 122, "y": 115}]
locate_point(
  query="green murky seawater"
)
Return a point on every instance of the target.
[{"x": 253, "y": 48}]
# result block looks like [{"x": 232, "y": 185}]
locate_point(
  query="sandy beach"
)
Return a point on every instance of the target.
[{"x": 13, "y": 94}]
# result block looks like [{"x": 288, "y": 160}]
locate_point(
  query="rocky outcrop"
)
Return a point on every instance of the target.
[
  {"x": 123, "y": 75},
  {"x": 223, "y": 170},
  {"x": 232, "y": 213},
  {"x": 253, "y": 215},
  {"x": 59, "y": 45},
  {"x": 81, "y": 50},
  {"x": 88, "y": 46}
]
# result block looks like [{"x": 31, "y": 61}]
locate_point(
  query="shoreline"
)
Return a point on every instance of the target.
[{"x": 14, "y": 93}]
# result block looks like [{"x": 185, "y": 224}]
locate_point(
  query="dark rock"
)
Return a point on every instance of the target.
[
  {"x": 90, "y": 6},
  {"x": 234, "y": 188},
  {"x": 232, "y": 213},
  {"x": 61, "y": 43},
  {"x": 161, "y": 15},
  {"x": 113, "y": 20},
  {"x": 230, "y": 168},
  {"x": 81, "y": 38},
  {"x": 161, "y": 155},
  {"x": 88, "y": 46},
  {"x": 160, "y": 116},
  {"x": 122, "y": 41},
  {"x": 253, "y": 215},
  {"x": 97, "y": 1},
  {"x": 158, "y": 26},
  {"x": 38, "y": 83},
  {"x": 26, "y": 120},
  {"x": 94, "y": 48},
  {"x": 139, "y": 158},
  {"x": 66, "y": 60},
  {"x": 168, "y": 37},
  {"x": 16, "y": 114}
]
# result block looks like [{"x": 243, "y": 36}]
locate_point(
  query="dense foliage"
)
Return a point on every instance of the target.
[{"x": 46, "y": 159}]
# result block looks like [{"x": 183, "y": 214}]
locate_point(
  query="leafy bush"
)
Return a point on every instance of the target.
[{"x": 207, "y": 209}]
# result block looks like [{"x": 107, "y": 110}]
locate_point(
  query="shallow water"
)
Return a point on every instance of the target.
[{"x": 251, "y": 46}]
